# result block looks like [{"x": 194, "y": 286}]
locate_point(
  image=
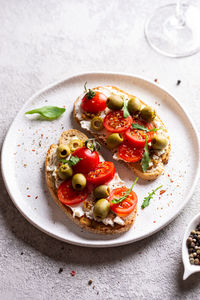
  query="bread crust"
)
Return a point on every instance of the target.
[
  {"x": 83, "y": 222},
  {"x": 151, "y": 174}
]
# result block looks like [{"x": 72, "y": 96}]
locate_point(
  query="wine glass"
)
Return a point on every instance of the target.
[{"x": 174, "y": 29}]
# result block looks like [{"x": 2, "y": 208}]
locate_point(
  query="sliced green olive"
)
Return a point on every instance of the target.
[
  {"x": 134, "y": 106},
  {"x": 79, "y": 182},
  {"x": 97, "y": 123},
  {"x": 148, "y": 114},
  {"x": 63, "y": 150},
  {"x": 159, "y": 142},
  {"x": 101, "y": 209},
  {"x": 65, "y": 172},
  {"x": 102, "y": 191},
  {"x": 114, "y": 102},
  {"x": 75, "y": 144},
  {"x": 114, "y": 140}
]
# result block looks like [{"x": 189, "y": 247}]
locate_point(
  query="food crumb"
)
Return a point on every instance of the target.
[
  {"x": 178, "y": 82},
  {"x": 25, "y": 165},
  {"x": 73, "y": 273},
  {"x": 156, "y": 80},
  {"x": 171, "y": 180},
  {"x": 162, "y": 192},
  {"x": 90, "y": 282},
  {"x": 60, "y": 270},
  {"x": 22, "y": 253}
]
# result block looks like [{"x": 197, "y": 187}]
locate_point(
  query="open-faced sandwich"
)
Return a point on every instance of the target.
[
  {"x": 86, "y": 187},
  {"x": 127, "y": 126}
]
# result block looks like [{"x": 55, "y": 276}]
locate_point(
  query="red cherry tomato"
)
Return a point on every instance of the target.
[
  {"x": 89, "y": 161},
  {"x": 115, "y": 122},
  {"x": 104, "y": 173},
  {"x": 125, "y": 207},
  {"x": 68, "y": 196},
  {"x": 136, "y": 137},
  {"x": 130, "y": 154},
  {"x": 95, "y": 104}
]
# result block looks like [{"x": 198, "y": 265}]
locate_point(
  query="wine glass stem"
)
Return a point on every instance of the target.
[{"x": 179, "y": 13}]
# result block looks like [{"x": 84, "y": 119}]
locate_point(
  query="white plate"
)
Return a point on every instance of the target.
[{"x": 27, "y": 141}]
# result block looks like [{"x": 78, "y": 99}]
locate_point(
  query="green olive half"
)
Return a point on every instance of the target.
[
  {"x": 97, "y": 123},
  {"x": 75, "y": 144},
  {"x": 102, "y": 191},
  {"x": 79, "y": 182},
  {"x": 101, "y": 209},
  {"x": 63, "y": 150},
  {"x": 159, "y": 142},
  {"x": 148, "y": 114},
  {"x": 65, "y": 171},
  {"x": 114, "y": 102},
  {"x": 114, "y": 140},
  {"x": 134, "y": 106}
]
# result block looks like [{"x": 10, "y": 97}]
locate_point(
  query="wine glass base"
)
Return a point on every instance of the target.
[{"x": 170, "y": 37}]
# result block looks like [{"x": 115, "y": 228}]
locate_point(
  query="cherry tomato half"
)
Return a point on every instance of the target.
[
  {"x": 130, "y": 154},
  {"x": 94, "y": 105},
  {"x": 125, "y": 207},
  {"x": 115, "y": 122},
  {"x": 68, "y": 196},
  {"x": 136, "y": 137},
  {"x": 104, "y": 173},
  {"x": 89, "y": 161}
]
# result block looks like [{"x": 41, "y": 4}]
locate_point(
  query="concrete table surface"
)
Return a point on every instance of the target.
[{"x": 42, "y": 41}]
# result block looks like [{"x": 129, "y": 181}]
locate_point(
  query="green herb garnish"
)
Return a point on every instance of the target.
[
  {"x": 147, "y": 199},
  {"x": 92, "y": 145},
  {"x": 72, "y": 161},
  {"x": 125, "y": 109},
  {"x": 140, "y": 127},
  {"x": 47, "y": 112},
  {"x": 115, "y": 200},
  {"x": 89, "y": 93},
  {"x": 145, "y": 158}
]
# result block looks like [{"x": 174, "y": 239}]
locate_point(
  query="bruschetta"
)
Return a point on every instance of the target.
[
  {"x": 131, "y": 129},
  {"x": 86, "y": 187}
]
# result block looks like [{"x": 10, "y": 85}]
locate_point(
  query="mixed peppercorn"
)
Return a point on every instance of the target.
[{"x": 193, "y": 244}]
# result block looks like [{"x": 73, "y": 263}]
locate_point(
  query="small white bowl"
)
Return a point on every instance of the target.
[{"x": 188, "y": 268}]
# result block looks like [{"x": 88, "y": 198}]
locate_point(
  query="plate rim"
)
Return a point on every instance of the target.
[{"x": 107, "y": 243}]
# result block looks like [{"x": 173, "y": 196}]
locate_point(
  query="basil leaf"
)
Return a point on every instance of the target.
[
  {"x": 125, "y": 109},
  {"x": 115, "y": 200},
  {"x": 140, "y": 127},
  {"x": 145, "y": 158},
  {"x": 47, "y": 112},
  {"x": 72, "y": 161},
  {"x": 147, "y": 199}
]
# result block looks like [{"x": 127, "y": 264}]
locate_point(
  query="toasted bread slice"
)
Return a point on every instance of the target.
[
  {"x": 158, "y": 164},
  {"x": 84, "y": 221}
]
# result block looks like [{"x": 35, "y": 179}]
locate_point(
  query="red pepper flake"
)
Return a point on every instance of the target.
[
  {"x": 28, "y": 195},
  {"x": 162, "y": 192},
  {"x": 33, "y": 150},
  {"x": 156, "y": 80},
  {"x": 171, "y": 180},
  {"x": 36, "y": 197},
  {"x": 42, "y": 135},
  {"x": 168, "y": 175},
  {"x": 73, "y": 273},
  {"x": 154, "y": 221}
]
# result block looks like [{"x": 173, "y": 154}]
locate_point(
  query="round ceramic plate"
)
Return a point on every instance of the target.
[{"x": 28, "y": 139}]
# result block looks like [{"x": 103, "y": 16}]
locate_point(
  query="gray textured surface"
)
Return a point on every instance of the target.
[{"x": 42, "y": 41}]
